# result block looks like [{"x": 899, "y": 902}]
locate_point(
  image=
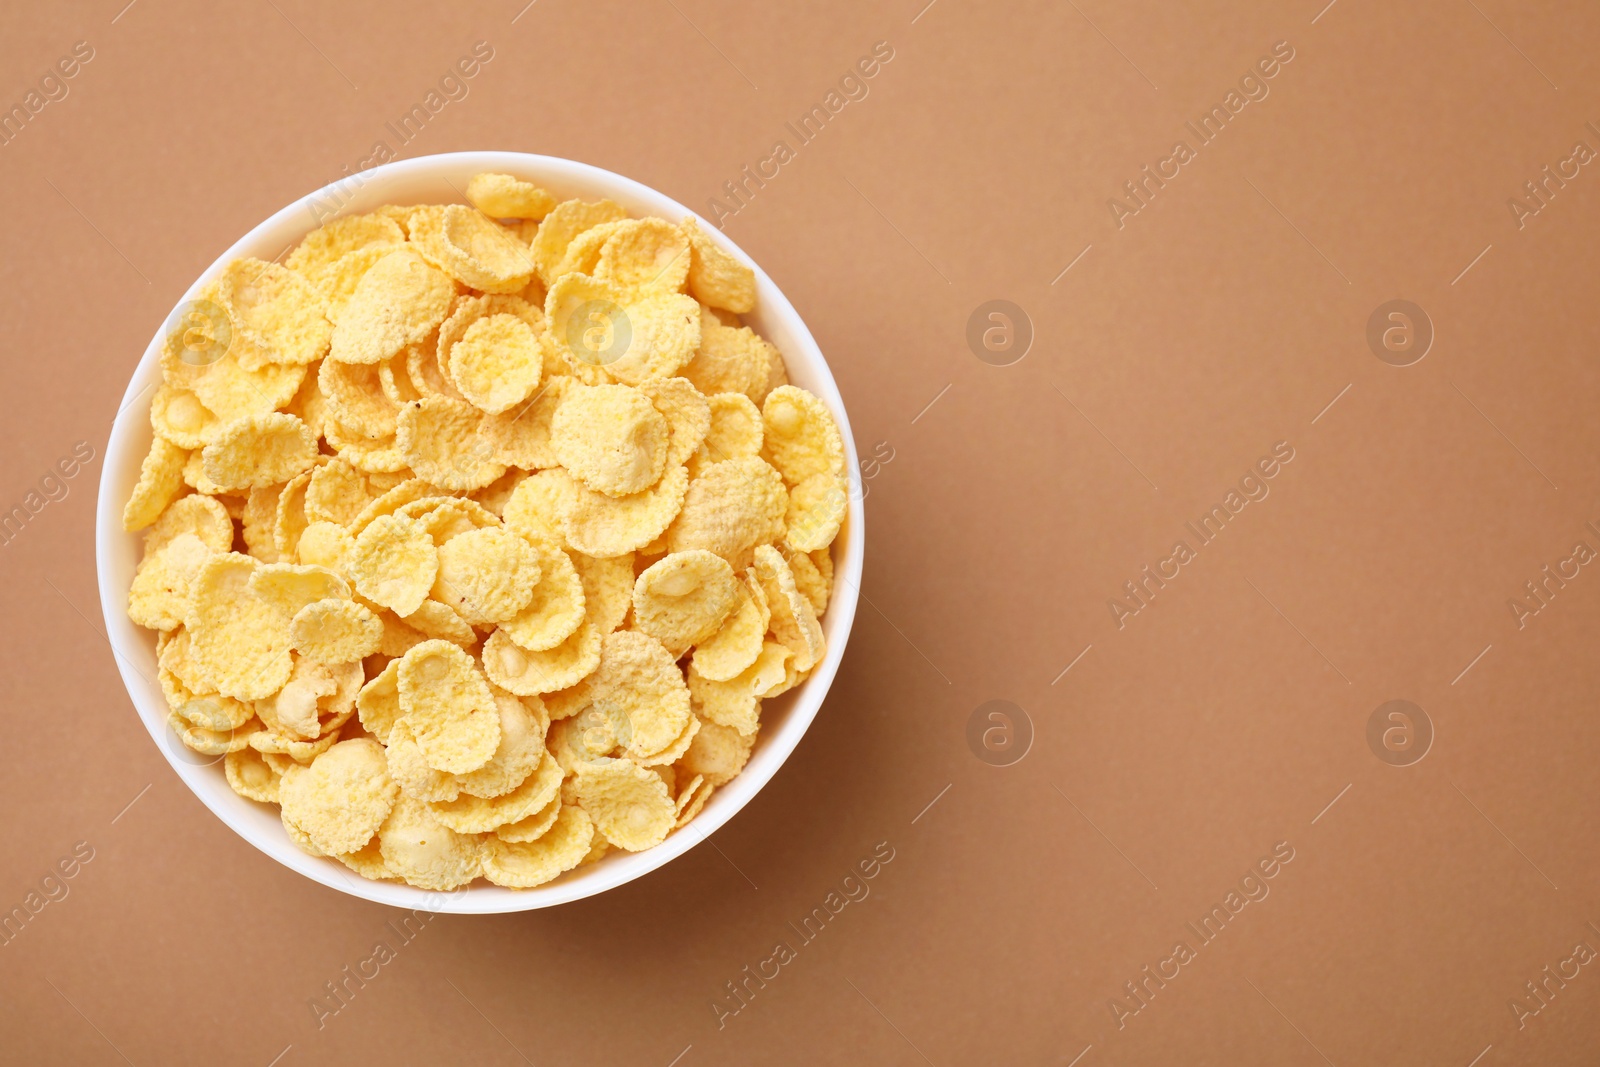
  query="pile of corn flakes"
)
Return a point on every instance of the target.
[{"x": 477, "y": 535}]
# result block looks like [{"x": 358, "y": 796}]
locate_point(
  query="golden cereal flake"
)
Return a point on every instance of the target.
[
  {"x": 447, "y": 704},
  {"x": 519, "y": 864},
  {"x": 715, "y": 276},
  {"x": 501, "y": 196},
  {"x": 683, "y": 598},
  {"x": 259, "y": 450},
  {"x": 629, "y": 804},
  {"x": 440, "y": 441},
  {"x": 400, "y": 300},
  {"x": 394, "y": 563},
  {"x": 426, "y": 853},
  {"x": 525, "y": 673},
  {"x": 238, "y": 639},
  {"x": 160, "y": 482},
  {"x": 343, "y": 797}
]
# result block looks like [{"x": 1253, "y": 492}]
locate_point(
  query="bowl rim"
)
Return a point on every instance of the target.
[{"x": 129, "y": 440}]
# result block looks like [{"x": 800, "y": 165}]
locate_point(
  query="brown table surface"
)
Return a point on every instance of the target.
[{"x": 1175, "y": 342}]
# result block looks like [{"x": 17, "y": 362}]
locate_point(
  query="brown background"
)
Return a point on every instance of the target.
[{"x": 1175, "y": 752}]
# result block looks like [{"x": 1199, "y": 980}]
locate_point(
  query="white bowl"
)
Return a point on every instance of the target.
[{"x": 438, "y": 179}]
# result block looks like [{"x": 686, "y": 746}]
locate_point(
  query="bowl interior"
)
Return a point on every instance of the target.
[{"x": 442, "y": 179}]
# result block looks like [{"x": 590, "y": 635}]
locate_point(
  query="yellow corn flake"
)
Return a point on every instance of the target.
[
  {"x": 611, "y": 438},
  {"x": 446, "y": 518},
  {"x": 378, "y": 702},
  {"x": 323, "y": 247},
  {"x": 448, "y": 706},
  {"x": 290, "y": 521},
  {"x": 394, "y": 563},
  {"x": 730, "y": 508},
  {"x": 555, "y": 606},
  {"x": 816, "y": 510},
  {"x": 525, "y": 673},
  {"x": 520, "y": 864},
  {"x": 687, "y": 413},
  {"x": 737, "y": 701},
  {"x": 276, "y": 310},
  {"x": 424, "y": 374},
  {"x": 308, "y": 404},
  {"x": 561, "y": 225},
  {"x": 380, "y": 456},
  {"x": 491, "y": 349},
  {"x": 497, "y": 363},
  {"x": 256, "y": 527},
  {"x": 177, "y": 415},
  {"x": 470, "y": 309},
  {"x": 659, "y": 761},
  {"x": 715, "y": 276},
  {"x": 794, "y": 623},
  {"x": 173, "y": 656},
  {"x": 390, "y": 501},
  {"x": 440, "y": 441},
  {"x": 529, "y": 829},
  {"x": 717, "y": 754},
  {"x": 735, "y": 646},
  {"x": 500, "y": 196},
  {"x": 522, "y": 732},
  {"x": 237, "y": 639},
  {"x": 269, "y": 743},
  {"x": 729, "y": 360},
  {"x": 497, "y": 494},
  {"x": 521, "y": 434},
  {"x": 399, "y": 302},
  {"x": 343, "y": 797},
  {"x": 335, "y": 631},
  {"x": 339, "y": 281},
  {"x": 194, "y": 476},
  {"x": 409, "y": 768},
  {"x": 477, "y": 250},
  {"x": 160, "y": 482},
  {"x": 301, "y": 839},
  {"x": 202, "y": 516},
  {"x": 336, "y": 493},
  {"x": 801, "y": 437},
  {"x": 356, "y": 399},
  {"x": 440, "y": 621},
  {"x": 210, "y": 742},
  {"x": 583, "y": 254},
  {"x": 288, "y": 587},
  {"x": 645, "y": 254},
  {"x": 394, "y": 378},
  {"x": 258, "y": 451},
  {"x": 567, "y": 702},
  {"x": 230, "y": 389},
  {"x": 487, "y": 575},
  {"x": 814, "y": 581},
  {"x": 468, "y": 814},
  {"x": 539, "y": 505},
  {"x": 582, "y": 738},
  {"x": 605, "y": 332},
  {"x": 639, "y": 687},
  {"x": 629, "y": 804},
  {"x": 601, "y": 525},
  {"x": 317, "y": 699},
  {"x": 426, "y": 853},
  {"x": 607, "y": 588},
  {"x": 736, "y": 429},
  {"x": 692, "y": 799},
  {"x": 683, "y": 598},
  {"x": 367, "y": 861},
  {"x": 251, "y": 776}
]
